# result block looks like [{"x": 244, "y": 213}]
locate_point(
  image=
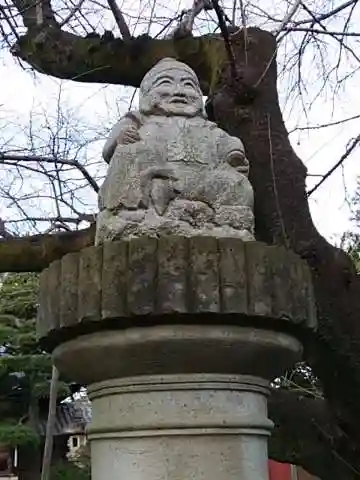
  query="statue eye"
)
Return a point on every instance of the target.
[
  {"x": 164, "y": 82},
  {"x": 189, "y": 84}
]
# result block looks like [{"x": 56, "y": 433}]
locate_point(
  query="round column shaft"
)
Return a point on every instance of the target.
[{"x": 176, "y": 427}]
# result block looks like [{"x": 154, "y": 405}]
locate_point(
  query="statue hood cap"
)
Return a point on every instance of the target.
[{"x": 164, "y": 65}]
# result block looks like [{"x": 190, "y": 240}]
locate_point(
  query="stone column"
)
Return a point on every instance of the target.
[
  {"x": 177, "y": 340},
  {"x": 180, "y": 427}
]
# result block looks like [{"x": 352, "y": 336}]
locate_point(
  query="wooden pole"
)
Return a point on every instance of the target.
[{"x": 46, "y": 463}]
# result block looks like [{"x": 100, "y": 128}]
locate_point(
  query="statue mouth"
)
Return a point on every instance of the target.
[{"x": 180, "y": 101}]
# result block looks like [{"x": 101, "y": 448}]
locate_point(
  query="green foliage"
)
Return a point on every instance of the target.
[
  {"x": 17, "y": 435},
  {"x": 69, "y": 471},
  {"x": 350, "y": 241},
  {"x": 19, "y": 295},
  {"x": 25, "y": 370}
]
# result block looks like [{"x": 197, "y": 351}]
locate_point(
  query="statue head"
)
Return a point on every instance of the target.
[{"x": 171, "y": 88}]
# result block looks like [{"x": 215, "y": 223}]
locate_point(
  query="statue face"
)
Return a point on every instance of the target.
[{"x": 173, "y": 92}]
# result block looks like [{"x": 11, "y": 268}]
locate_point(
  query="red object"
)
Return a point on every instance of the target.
[{"x": 279, "y": 471}]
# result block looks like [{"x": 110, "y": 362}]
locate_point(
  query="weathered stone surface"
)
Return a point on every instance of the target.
[
  {"x": 233, "y": 276},
  {"x": 69, "y": 289},
  {"x": 52, "y": 295},
  {"x": 151, "y": 277},
  {"x": 260, "y": 286},
  {"x": 173, "y": 264},
  {"x": 171, "y": 170},
  {"x": 204, "y": 275},
  {"x": 114, "y": 280},
  {"x": 142, "y": 276},
  {"x": 177, "y": 427},
  {"x": 90, "y": 286}
]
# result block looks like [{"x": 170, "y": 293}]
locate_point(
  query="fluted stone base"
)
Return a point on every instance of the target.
[{"x": 177, "y": 340}]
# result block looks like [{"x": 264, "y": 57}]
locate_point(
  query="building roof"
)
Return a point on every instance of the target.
[{"x": 71, "y": 418}]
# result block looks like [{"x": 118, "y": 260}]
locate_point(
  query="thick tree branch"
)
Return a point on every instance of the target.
[
  {"x": 34, "y": 253},
  {"x": 93, "y": 59}
]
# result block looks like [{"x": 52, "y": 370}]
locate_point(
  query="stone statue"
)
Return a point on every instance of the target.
[{"x": 171, "y": 170}]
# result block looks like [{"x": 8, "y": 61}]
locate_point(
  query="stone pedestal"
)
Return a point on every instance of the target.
[{"x": 177, "y": 340}]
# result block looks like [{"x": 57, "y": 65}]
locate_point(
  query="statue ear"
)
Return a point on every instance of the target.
[{"x": 209, "y": 109}]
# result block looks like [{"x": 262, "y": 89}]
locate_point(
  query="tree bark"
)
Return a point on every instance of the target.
[
  {"x": 306, "y": 434},
  {"x": 34, "y": 253},
  {"x": 248, "y": 107}
]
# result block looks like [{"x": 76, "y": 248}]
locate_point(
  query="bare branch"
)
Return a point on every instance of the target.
[
  {"x": 243, "y": 15},
  {"x": 288, "y": 17},
  {"x": 332, "y": 13},
  {"x": 325, "y": 125},
  {"x": 72, "y": 12},
  {"x": 322, "y": 32},
  {"x": 185, "y": 27},
  {"x": 120, "y": 20},
  {"x": 347, "y": 153},
  {"x": 225, "y": 33},
  {"x": 40, "y": 159},
  {"x": 3, "y": 232},
  {"x": 84, "y": 217}
]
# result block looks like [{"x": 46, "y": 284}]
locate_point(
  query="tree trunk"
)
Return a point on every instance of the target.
[{"x": 248, "y": 107}]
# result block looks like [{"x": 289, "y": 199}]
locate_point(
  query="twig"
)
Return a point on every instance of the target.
[
  {"x": 187, "y": 18},
  {"x": 84, "y": 217},
  {"x": 322, "y": 32},
  {"x": 71, "y": 13},
  {"x": 330, "y": 14},
  {"x": 225, "y": 33},
  {"x": 37, "y": 158},
  {"x": 120, "y": 20},
  {"x": 348, "y": 152},
  {"x": 288, "y": 17},
  {"x": 325, "y": 125},
  {"x": 243, "y": 24},
  {"x": 243, "y": 15}
]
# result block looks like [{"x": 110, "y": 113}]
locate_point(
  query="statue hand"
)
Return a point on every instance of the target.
[
  {"x": 131, "y": 135},
  {"x": 238, "y": 160}
]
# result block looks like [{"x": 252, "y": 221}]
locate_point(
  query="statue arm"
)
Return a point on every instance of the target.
[{"x": 125, "y": 131}]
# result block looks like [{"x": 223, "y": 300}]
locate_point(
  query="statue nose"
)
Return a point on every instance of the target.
[{"x": 179, "y": 92}]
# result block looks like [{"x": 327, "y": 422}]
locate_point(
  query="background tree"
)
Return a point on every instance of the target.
[
  {"x": 350, "y": 241},
  {"x": 238, "y": 70},
  {"x": 25, "y": 369}
]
